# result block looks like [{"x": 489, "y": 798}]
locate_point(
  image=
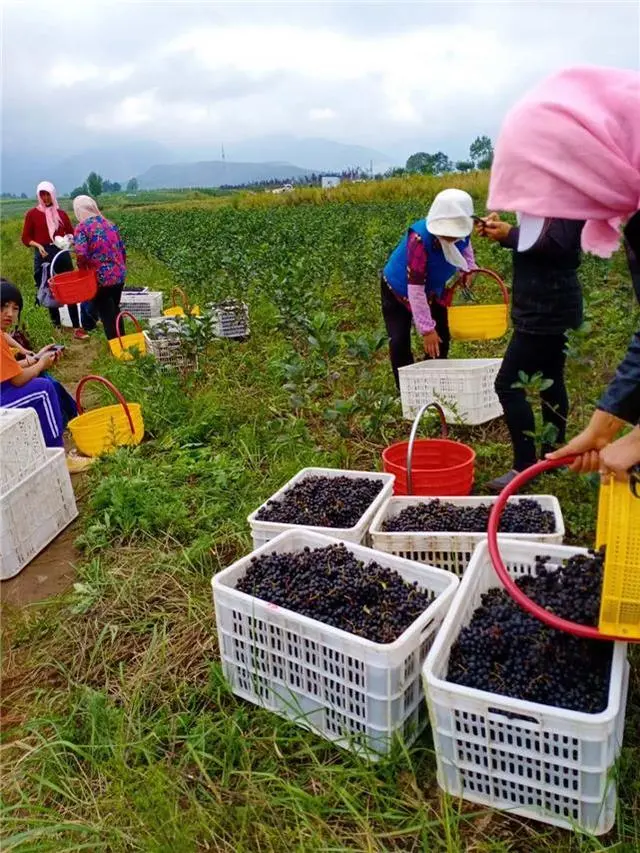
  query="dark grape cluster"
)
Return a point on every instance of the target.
[
  {"x": 524, "y": 516},
  {"x": 507, "y": 651},
  {"x": 331, "y": 585},
  {"x": 323, "y": 502}
]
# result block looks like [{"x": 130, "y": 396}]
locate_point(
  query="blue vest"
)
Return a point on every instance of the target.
[{"x": 439, "y": 270}]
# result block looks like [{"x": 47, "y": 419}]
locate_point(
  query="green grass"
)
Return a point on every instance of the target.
[{"x": 121, "y": 734}]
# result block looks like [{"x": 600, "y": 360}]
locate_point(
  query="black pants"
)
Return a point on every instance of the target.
[
  {"x": 398, "y": 320},
  {"x": 63, "y": 264},
  {"x": 106, "y": 304},
  {"x": 531, "y": 354}
]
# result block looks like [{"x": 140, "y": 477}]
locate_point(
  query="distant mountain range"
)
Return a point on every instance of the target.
[
  {"x": 157, "y": 166},
  {"x": 215, "y": 173}
]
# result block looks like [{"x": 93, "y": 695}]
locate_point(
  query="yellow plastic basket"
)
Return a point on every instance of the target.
[
  {"x": 180, "y": 310},
  {"x": 619, "y": 529},
  {"x": 480, "y": 322},
  {"x": 103, "y": 430},
  {"x": 124, "y": 346}
]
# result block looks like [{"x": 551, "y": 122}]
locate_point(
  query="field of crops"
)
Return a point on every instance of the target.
[{"x": 122, "y": 735}]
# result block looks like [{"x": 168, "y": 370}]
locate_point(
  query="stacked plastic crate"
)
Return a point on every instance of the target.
[{"x": 36, "y": 496}]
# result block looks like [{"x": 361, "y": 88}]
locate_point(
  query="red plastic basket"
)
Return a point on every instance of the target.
[
  {"x": 69, "y": 288},
  {"x": 437, "y": 467},
  {"x": 514, "y": 591}
]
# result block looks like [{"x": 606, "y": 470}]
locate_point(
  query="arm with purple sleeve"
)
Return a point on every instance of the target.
[
  {"x": 416, "y": 277},
  {"x": 470, "y": 258}
]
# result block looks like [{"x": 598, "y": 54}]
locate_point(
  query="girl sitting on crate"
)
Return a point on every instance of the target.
[
  {"x": 414, "y": 278},
  {"x": 24, "y": 383},
  {"x": 42, "y": 225},
  {"x": 546, "y": 303},
  {"x": 99, "y": 247}
]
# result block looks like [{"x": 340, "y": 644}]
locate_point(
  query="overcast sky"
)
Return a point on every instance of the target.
[{"x": 189, "y": 74}]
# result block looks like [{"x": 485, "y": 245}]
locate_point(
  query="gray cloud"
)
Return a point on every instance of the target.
[{"x": 392, "y": 76}]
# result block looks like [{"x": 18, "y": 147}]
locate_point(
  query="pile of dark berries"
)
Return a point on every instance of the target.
[
  {"x": 331, "y": 585},
  {"x": 507, "y": 651},
  {"x": 524, "y": 516},
  {"x": 323, "y": 502}
]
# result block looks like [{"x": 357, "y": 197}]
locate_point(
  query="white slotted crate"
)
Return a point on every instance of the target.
[
  {"x": 22, "y": 447},
  {"x": 533, "y": 760},
  {"x": 462, "y": 386},
  {"x": 170, "y": 352},
  {"x": 34, "y": 512},
  {"x": 451, "y": 550},
  {"x": 142, "y": 304},
  {"x": 263, "y": 531},
  {"x": 349, "y": 690},
  {"x": 231, "y": 319}
]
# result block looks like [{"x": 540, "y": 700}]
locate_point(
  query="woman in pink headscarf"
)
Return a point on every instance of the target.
[
  {"x": 99, "y": 247},
  {"x": 42, "y": 224},
  {"x": 571, "y": 149}
]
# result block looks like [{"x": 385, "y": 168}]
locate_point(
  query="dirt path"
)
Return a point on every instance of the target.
[
  {"x": 50, "y": 573},
  {"x": 53, "y": 570}
]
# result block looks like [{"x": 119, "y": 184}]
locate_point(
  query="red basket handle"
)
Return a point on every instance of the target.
[
  {"x": 584, "y": 631},
  {"x": 491, "y": 274},
  {"x": 444, "y": 432},
  {"x": 135, "y": 323},
  {"x": 185, "y": 302},
  {"x": 111, "y": 388}
]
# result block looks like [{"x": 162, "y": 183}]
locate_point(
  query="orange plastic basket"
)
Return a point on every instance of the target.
[
  {"x": 124, "y": 346},
  {"x": 69, "y": 288},
  {"x": 430, "y": 466},
  {"x": 480, "y": 322},
  {"x": 619, "y": 530},
  {"x": 180, "y": 310}
]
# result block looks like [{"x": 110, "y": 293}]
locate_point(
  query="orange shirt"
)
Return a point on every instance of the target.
[{"x": 9, "y": 367}]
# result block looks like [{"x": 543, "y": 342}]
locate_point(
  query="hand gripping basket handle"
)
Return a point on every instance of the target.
[
  {"x": 444, "y": 432},
  {"x": 135, "y": 323},
  {"x": 183, "y": 298},
  {"x": 55, "y": 258},
  {"x": 491, "y": 274},
  {"x": 584, "y": 631},
  {"x": 114, "y": 391}
]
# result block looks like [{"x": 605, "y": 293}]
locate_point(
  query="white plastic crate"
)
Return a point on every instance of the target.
[
  {"x": 529, "y": 759},
  {"x": 170, "y": 352},
  {"x": 142, "y": 304},
  {"x": 231, "y": 319},
  {"x": 349, "y": 690},
  {"x": 451, "y": 550},
  {"x": 462, "y": 386},
  {"x": 22, "y": 447},
  {"x": 263, "y": 531},
  {"x": 34, "y": 512}
]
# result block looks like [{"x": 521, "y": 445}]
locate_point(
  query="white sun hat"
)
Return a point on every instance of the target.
[
  {"x": 451, "y": 214},
  {"x": 530, "y": 230}
]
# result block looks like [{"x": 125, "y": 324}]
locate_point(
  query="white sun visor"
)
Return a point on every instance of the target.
[{"x": 530, "y": 230}]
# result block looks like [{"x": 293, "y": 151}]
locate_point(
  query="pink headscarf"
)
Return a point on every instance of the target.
[
  {"x": 570, "y": 149},
  {"x": 85, "y": 207},
  {"x": 51, "y": 213}
]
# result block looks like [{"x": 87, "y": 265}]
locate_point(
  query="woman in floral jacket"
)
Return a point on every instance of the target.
[{"x": 99, "y": 247}]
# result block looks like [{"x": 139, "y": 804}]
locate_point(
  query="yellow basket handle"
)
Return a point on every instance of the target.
[
  {"x": 135, "y": 323},
  {"x": 481, "y": 271},
  {"x": 114, "y": 391},
  {"x": 183, "y": 298}
]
